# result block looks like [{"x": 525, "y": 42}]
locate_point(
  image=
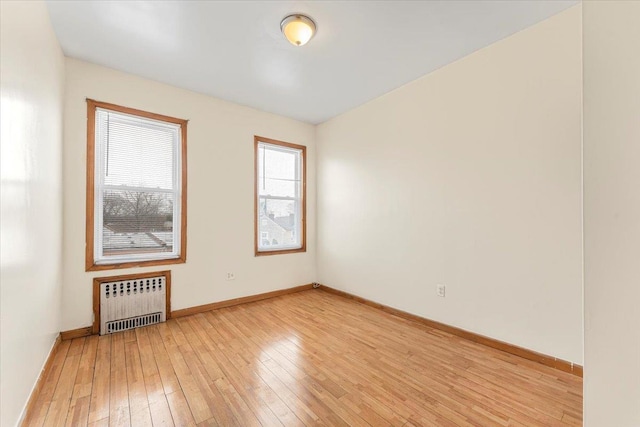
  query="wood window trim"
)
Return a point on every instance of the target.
[
  {"x": 303, "y": 223},
  {"x": 90, "y": 264},
  {"x": 97, "y": 281}
]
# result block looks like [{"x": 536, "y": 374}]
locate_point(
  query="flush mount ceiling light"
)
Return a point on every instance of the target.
[{"x": 298, "y": 29}]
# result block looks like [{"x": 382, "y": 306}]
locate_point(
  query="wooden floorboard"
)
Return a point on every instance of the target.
[{"x": 309, "y": 358}]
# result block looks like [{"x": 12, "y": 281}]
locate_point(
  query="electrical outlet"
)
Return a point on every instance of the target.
[
  {"x": 231, "y": 276},
  {"x": 440, "y": 290}
]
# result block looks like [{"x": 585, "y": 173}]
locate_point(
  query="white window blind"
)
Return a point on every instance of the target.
[
  {"x": 279, "y": 193},
  {"x": 137, "y": 188}
]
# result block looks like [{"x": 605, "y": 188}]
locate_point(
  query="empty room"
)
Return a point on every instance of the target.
[{"x": 341, "y": 213}]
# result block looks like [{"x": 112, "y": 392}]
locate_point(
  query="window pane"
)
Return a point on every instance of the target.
[
  {"x": 280, "y": 164},
  {"x": 278, "y": 224},
  {"x": 137, "y": 222},
  {"x": 137, "y": 152},
  {"x": 278, "y": 171}
]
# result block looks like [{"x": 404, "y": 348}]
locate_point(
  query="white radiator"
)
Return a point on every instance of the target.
[{"x": 128, "y": 304}]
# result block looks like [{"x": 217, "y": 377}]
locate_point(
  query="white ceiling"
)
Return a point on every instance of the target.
[{"x": 234, "y": 49}]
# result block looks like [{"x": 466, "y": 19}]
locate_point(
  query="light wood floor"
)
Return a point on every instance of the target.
[{"x": 300, "y": 359}]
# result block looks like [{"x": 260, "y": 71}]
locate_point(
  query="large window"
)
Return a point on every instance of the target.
[
  {"x": 136, "y": 188},
  {"x": 280, "y": 197}
]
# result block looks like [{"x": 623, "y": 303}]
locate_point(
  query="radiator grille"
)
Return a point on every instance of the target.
[
  {"x": 133, "y": 322},
  {"x": 131, "y": 303}
]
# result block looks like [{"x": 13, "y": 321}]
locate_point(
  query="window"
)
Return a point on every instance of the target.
[
  {"x": 136, "y": 188},
  {"x": 280, "y": 197}
]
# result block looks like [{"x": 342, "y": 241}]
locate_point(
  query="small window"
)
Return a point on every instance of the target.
[
  {"x": 280, "y": 197},
  {"x": 136, "y": 188}
]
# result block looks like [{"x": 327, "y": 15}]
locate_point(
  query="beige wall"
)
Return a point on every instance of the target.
[
  {"x": 220, "y": 192},
  {"x": 612, "y": 213},
  {"x": 470, "y": 177},
  {"x": 32, "y": 89}
]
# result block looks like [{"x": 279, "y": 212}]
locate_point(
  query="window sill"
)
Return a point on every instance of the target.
[
  {"x": 281, "y": 252},
  {"x": 130, "y": 264}
]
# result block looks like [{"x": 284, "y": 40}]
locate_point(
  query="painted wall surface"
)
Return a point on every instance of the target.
[
  {"x": 611, "y": 46},
  {"x": 32, "y": 89},
  {"x": 468, "y": 177},
  {"x": 220, "y": 192}
]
